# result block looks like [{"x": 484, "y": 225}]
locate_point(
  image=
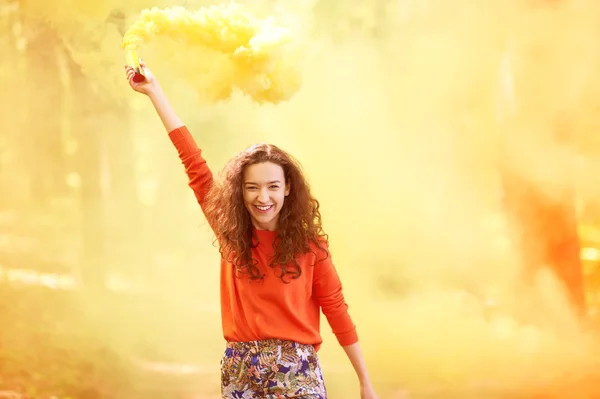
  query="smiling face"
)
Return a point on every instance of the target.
[{"x": 265, "y": 189}]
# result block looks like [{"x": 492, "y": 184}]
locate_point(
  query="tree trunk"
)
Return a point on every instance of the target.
[
  {"x": 91, "y": 148},
  {"x": 44, "y": 149}
]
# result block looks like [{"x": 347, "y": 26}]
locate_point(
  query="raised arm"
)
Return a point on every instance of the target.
[
  {"x": 164, "y": 109},
  {"x": 150, "y": 87},
  {"x": 199, "y": 174}
]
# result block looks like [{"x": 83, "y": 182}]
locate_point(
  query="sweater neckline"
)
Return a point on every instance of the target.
[{"x": 265, "y": 234}]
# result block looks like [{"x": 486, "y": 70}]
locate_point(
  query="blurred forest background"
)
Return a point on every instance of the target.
[{"x": 96, "y": 301}]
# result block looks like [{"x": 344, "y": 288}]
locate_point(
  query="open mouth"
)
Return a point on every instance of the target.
[{"x": 264, "y": 209}]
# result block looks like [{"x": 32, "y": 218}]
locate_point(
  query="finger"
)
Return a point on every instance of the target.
[{"x": 142, "y": 63}]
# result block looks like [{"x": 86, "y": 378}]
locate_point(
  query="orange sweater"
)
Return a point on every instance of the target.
[{"x": 269, "y": 308}]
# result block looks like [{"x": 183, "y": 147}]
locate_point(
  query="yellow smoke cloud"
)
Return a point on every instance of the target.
[
  {"x": 399, "y": 134},
  {"x": 258, "y": 60}
]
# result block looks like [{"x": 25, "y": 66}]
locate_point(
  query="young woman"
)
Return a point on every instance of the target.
[{"x": 276, "y": 271}]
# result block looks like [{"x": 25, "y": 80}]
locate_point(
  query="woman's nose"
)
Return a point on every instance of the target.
[{"x": 263, "y": 196}]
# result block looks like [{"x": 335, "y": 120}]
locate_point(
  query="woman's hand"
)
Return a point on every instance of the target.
[
  {"x": 367, "y": 392},
  {"x": 146, "y": 86}
]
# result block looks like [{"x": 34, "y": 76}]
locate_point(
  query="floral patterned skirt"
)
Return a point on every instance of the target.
[{"x": 271, "y": 369}]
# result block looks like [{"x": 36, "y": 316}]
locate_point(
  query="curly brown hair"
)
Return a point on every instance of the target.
[{"x": 299, "y": 226}]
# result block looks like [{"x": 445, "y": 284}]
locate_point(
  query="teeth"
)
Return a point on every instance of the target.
[{"x": 263, "y": 208}]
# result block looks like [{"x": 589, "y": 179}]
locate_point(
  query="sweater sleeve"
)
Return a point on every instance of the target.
[
  {"x": 199, "y": 174},
  {"x": 327, "y": 287}
]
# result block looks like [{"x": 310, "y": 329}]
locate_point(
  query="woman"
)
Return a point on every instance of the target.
[{"x": 276, "y": 271}]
